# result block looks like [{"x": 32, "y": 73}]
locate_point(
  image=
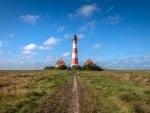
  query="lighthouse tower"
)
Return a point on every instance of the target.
[{"x": 74, "y": 52}]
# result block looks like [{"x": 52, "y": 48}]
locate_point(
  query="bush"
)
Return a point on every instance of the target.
[
  {"x": 92, "y": 67},
  {"x": 76, "y": 67},
  {"x": 68, "y": 68},
  {"x": 62, "y": 67},
  {"x": 49, "y": 68}
]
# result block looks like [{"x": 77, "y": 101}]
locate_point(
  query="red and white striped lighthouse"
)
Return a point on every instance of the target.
[{"x": 74, "y": 52}]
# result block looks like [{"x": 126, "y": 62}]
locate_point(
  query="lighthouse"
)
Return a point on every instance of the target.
[{"x": 74, "y": 52}]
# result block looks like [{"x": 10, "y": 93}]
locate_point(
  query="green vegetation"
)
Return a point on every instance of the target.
[
  {"x": 99, "y": 91},
  {"x": 78, "y": 67},
  {"x": 49, "y": 68},
  {"x": 92, "y": 67},
  {"x": 87, "y": 67},
  {"x": 62, "y": 67},
  {"x": 22, "y": 91},
  {"x": 118, "y": 91}
]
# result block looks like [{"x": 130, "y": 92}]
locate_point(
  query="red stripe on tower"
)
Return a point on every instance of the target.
[{"x": 74, "y": 52}]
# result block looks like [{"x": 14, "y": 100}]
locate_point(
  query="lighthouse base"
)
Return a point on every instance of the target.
[{"x": 74, "y": 65}]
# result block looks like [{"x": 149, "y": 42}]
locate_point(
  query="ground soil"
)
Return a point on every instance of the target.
[
  {"x": 74, "y": 102},
  {"x": 72, "y": 98}
]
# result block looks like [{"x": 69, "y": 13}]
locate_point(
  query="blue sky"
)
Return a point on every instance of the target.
[{"x": 35, "y": 33}]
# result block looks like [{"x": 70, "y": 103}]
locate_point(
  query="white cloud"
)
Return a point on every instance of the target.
[
  {"x": 145, "y": 58},
  {"x": 44, "y": 48},
  {"x": 28, "y": 53},
  {"x": 61, "y": 28},
  {"x": 29, "y": 50},
  {"x": 110, "y": 9},
  {"x": 85, "y": 11},
  {"x": 136, "y": 62},
  {"x": 27, "y": 64},
  {"x": 66, "y": 36},
  {"x": 30, "y": 47},
  {"x": 90, "y": 26},
  {"x": 66, "y": 54},
  {"x": 49, "y": 58},
  {"x": 1, "y": 43},
  {"x": 11, "y": 35},
  {"x": 97, "y": 45},
  {"x": 32, "y": 19},
  {"x": 116, "y": 19},
  {"x": 80, "y": 36},
  {"x": 22, "y": 62},
  {"x": 51, "y": 41}
]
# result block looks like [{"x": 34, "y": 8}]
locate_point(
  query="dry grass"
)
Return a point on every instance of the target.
[
  {"x": 119, "y": 91},
  {"x": 108, "y": 91},
  {"x": 21, "y": 91}
]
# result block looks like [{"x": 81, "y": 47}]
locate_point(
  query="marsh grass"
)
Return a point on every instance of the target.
[
  {"x": 111, "y": 91},
  {"x": 22, "y": 91},
  {"x": 119, "y": 91}
]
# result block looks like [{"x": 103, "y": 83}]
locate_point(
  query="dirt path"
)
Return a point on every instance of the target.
[
  {"x": 74, "y": 103},
  {"x": 71, "y": 98}
]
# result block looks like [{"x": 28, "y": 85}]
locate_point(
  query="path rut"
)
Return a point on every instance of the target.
[
  {"x": 64, "y": 100},
  {"x": 74, "y": 103}
]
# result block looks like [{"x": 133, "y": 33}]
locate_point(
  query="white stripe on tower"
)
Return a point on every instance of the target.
[
  {"x": 74, "y": 45},
  {"x": 74, "y": 52},
  {"x": 74, "y": 55}
]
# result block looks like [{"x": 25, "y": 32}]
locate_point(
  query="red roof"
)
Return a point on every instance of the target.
[
  {"x": 60, "y": 62},
  {"x": 89, "y": 61}
]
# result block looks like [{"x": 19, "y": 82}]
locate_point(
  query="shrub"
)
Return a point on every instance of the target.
[
  {"x": 49, "y": 68},
  {"x": 92, "y": 67},
  {"x": 76, "y": 67},
  {"x": 68, "y": 68},
  {"x": 62, "y": 67}
]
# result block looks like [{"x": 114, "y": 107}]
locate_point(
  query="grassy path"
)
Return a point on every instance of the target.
[
  {"x": 74, "y": 103},
  {"x": 71, "y": 98}
]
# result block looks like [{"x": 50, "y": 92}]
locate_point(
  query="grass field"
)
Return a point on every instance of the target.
[
  {"x": 105, "y": 91},
  {"x": 118, "y": 91},
  {"x": 22, "y": 91}
]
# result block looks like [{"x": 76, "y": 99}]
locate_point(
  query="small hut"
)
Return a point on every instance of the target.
[
  {"x": 90, "y": 65},
  {"x": 89, "y": 62},
  {"x": 60, "y": 62}
]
